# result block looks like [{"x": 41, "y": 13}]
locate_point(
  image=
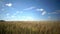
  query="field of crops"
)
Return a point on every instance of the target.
[{"x": 30, "y": 27}]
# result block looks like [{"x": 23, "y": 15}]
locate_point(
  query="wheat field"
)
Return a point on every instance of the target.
[{"x": 30, "y": 27}]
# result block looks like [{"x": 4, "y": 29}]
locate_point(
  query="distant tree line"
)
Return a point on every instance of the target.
[{"x": 2, "y": 20}]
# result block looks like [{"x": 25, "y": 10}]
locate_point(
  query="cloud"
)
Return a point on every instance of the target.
[
  {"x": 30, "y": 8},
  {"x": 49, "y": 17},
  {"x": 30, "y": 18},
  {"x": 23, "y": 16},
  {"x": 27, "y": 18},
  {"x": 58, "y": 11},
  {"x": 21, "y": 11},
  {"x": 55, "y": 12},
  {"x": 9, "y": 4},
  {"x": 40, "y": 9},
  {"x": 12, "y": 16},
  {"x": 17, "y": 11},
  {"x": 43, "y": 13},
  {"x": 2, "y": 9},
  {"x": 7, "y": 14}
]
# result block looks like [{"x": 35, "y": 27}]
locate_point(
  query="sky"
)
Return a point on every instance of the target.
[{"x": 29, "y": 10}]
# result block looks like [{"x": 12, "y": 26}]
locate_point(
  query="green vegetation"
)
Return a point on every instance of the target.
[{"x": 28, "y": 27}]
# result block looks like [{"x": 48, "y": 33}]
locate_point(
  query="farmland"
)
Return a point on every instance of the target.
[{"x": 30, "y": 27}]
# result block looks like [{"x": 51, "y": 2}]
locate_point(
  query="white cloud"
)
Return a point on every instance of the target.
[
  {"x": 58, "y": 10},
  {"x": 23, "y": 16},
  {"x": 7, "y": 14},
  {"x": 30, "y": 8},
  {"x": 12, "y": 16},
  {"x": 40, "y": 9},
  {"x": 9, "y": 4},
  {"x": 49, "y": 17},
  {"x": 2, "y": 9},
  {"x": 53, "y": 13},
  {"x": 30, "y": 18},
  {"x": 27, "y": 18},
  {"x": 21, "y": 11},
  {"x": 43, "y": 13},
  {"x": 17, "y": 11}
]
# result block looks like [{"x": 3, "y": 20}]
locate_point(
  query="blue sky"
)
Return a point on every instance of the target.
[{"x": 29, "y": 10}]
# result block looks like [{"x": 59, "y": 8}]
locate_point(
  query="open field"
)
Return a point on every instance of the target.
[{"x": 30, "y": 27}]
